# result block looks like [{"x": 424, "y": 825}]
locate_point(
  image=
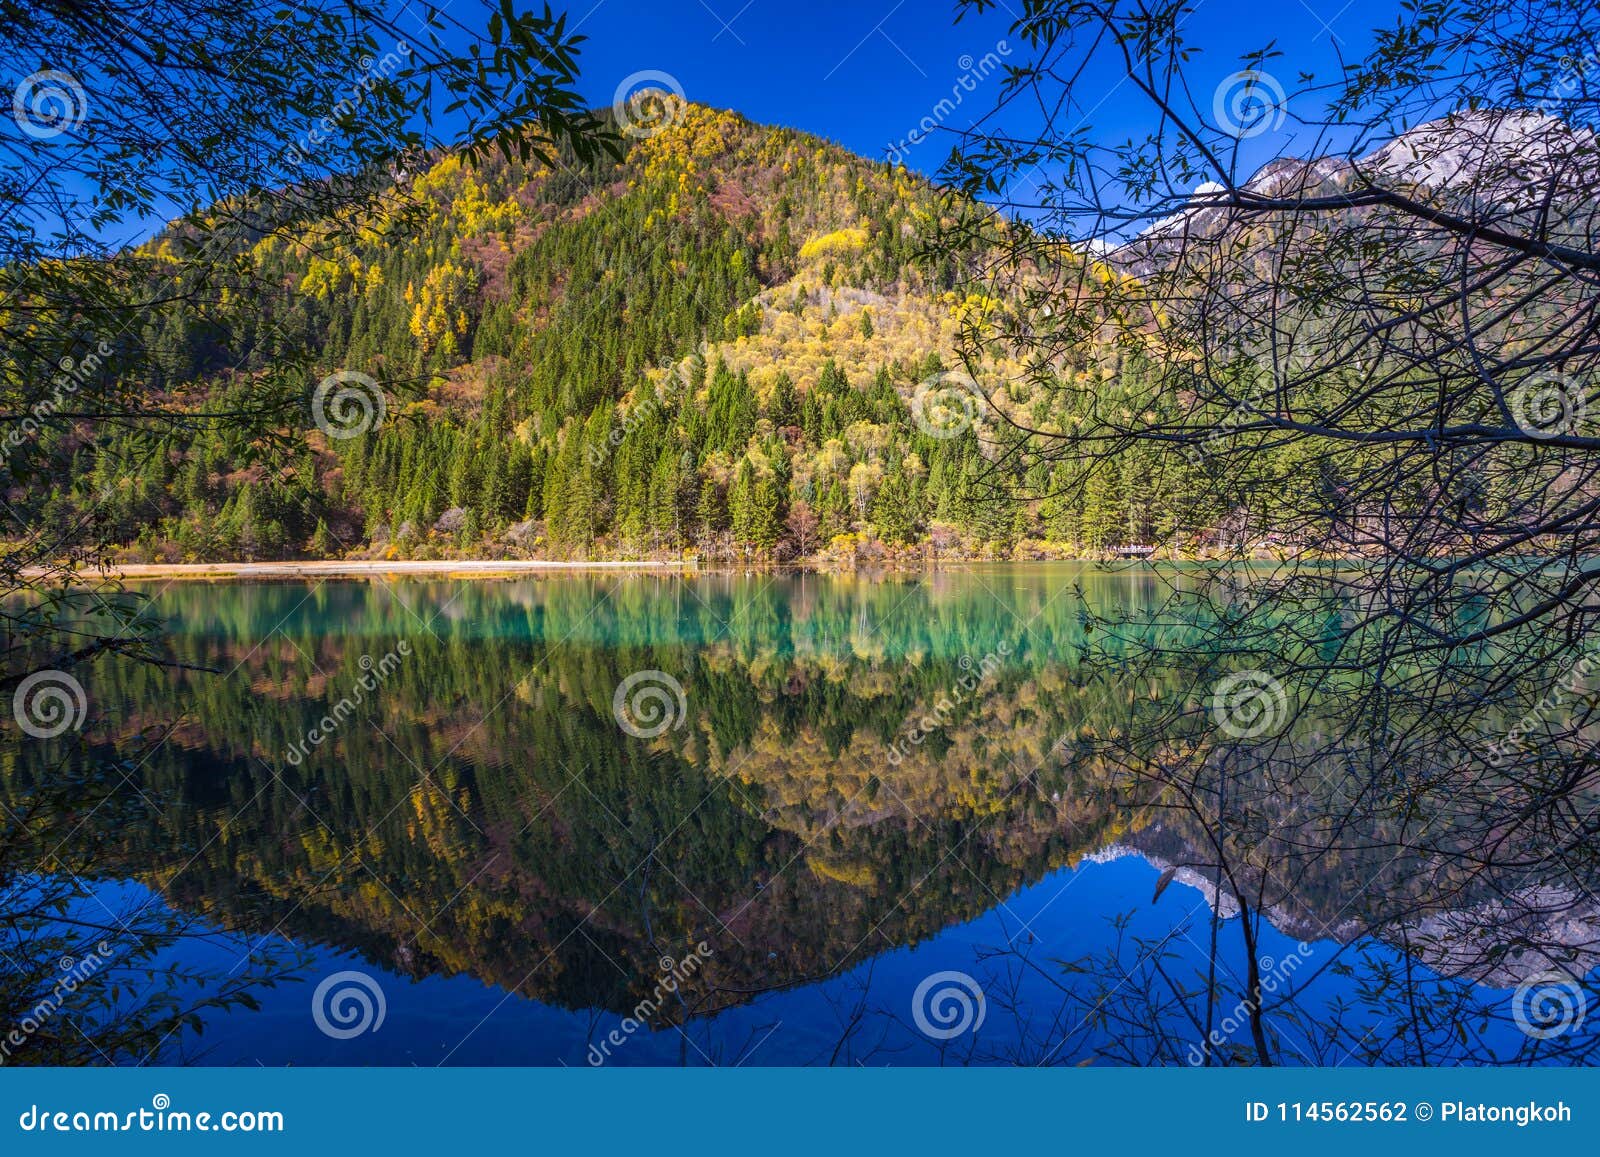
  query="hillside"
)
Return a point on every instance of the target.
[
  {"x": 714, "y": 346},
  {"x": 728, "y": 344}
]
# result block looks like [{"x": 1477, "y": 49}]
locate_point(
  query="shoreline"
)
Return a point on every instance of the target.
[
  {"x": 355, "y": 568},
  {"x": 510, "y": 568}
]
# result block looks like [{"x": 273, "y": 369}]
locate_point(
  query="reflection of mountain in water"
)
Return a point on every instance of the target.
[
  {"x": 1560, "y": 928},
  {"x": 479, "y": 811}
]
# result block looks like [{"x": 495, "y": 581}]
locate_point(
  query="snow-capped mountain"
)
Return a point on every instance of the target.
[
  {"x": 1506, "y": 150},
  {"x": 1487, "y": 163}
]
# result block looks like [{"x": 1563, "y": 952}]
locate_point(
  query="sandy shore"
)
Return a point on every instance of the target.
[{"x": 476, "y": 568}]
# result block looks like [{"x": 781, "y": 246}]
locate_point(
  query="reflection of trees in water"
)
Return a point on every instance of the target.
[
  {"x": 548, "y": 851},
  {"x": 89, "y": 975},
  {"x": 1365, "y": 761},
  {"x": 1271, "y": 391}
]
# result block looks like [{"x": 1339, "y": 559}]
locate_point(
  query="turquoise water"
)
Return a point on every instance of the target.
[{"x": 825, "y": 820}]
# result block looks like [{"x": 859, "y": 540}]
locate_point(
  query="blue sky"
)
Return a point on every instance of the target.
[{"x": 865, "y": 73}]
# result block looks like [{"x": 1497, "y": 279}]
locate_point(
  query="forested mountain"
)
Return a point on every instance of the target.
[
  {"x": 730, "y": 343},
  {"x": 712, "y": 346}
]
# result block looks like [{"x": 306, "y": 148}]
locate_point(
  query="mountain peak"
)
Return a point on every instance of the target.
[{"x": 1478, "y": 146}]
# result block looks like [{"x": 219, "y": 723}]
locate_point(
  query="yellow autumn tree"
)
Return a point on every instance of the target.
[{"x": 439, "y": 308}]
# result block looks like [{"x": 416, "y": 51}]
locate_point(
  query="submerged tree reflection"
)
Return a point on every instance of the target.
[{"x": 482, "y": 812}]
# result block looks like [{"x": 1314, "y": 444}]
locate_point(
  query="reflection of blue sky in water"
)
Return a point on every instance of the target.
[
  {"x": 777, "y": 807},
  {"x": 1068, "y": 913}
]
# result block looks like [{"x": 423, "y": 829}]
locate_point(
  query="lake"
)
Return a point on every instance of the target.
[{"x": 767, "y": 819}]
